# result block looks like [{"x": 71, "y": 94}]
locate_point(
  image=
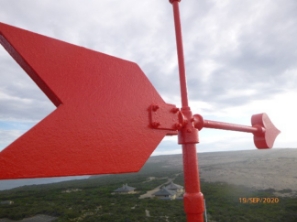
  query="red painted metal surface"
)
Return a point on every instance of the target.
[
  {"x": 188, "y": 137},
  {"x": 165, "y": 117},
  {"x": 101, "y": 124},
  {"x": 267, "y": 132},
  {"x": 262, "y": 128}
]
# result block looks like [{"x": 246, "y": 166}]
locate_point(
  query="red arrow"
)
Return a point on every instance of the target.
[
  {"x": 263, "y": 129},
  {"x": 101, "y": 121}
]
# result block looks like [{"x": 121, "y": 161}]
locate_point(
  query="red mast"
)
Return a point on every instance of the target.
[{"x": 188, "y": 136}]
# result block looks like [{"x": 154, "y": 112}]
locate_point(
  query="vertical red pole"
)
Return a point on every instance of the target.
[
  {"x": 180, "y": 54},
  {"x": 188, "y": 137}
]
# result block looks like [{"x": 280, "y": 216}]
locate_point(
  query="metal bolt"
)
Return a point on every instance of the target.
[
  {"x": 155, "y": 124},
  {"x": 177, "y": 126},
  {"x": 174, "y": 110},
  {"x": 155, "y": 107}
]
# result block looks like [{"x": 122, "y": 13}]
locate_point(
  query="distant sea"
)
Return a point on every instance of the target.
[{"x": 10, "y": 184}]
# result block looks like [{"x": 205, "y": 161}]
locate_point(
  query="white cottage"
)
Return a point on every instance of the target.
[
  {"x": 164, "y": 194},
  {"x": 175, "y": 187},
  {"x": 125, "y": 189}
]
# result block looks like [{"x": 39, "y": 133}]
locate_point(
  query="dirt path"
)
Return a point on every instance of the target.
[
  {"x": 147, "y": 213},
  {"x": 149, "y": 193}
]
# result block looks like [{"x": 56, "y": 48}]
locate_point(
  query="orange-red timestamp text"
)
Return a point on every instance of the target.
[{"x": 255, "y": 200}]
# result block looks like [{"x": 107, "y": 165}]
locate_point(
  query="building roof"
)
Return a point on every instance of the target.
[
  {"x": 6, "y": 202},
  {"x": 125, "y": 188},
  {"x": 173, "y": 186},
  {"x": 164, "y": 192}
]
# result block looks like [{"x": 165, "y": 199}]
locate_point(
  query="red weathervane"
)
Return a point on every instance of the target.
[{"x": 104, "y": 122}]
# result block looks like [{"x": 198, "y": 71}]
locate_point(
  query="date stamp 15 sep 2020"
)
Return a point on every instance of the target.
[{"x": 255, "y": 200}]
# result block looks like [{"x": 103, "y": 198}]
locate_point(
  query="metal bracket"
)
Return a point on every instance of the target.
[{"x": 166, "y": 117}]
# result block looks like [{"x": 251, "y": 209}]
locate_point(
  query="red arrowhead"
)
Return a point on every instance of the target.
[
  {"x": 101, "y": 124},
  {"x": 264, "y": 140}
]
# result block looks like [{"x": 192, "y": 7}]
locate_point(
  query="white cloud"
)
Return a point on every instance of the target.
[
  {"x": 7, "y": 136},
  {"x": 240, "y": 58}
]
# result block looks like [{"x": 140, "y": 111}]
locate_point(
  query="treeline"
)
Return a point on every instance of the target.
[{"x": 92, "y": 200}]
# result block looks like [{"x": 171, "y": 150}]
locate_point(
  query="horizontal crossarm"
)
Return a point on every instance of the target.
[{"x": 262, "y": 128}]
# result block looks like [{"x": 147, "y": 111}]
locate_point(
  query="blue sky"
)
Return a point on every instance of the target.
[{"x": 240, "y": 60}]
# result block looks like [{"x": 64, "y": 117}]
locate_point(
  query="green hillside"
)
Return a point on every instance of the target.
[{"x": 92, "y": 200}]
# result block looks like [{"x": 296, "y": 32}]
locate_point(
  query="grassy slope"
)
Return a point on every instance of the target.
[{"x": 96, "y": 203}]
